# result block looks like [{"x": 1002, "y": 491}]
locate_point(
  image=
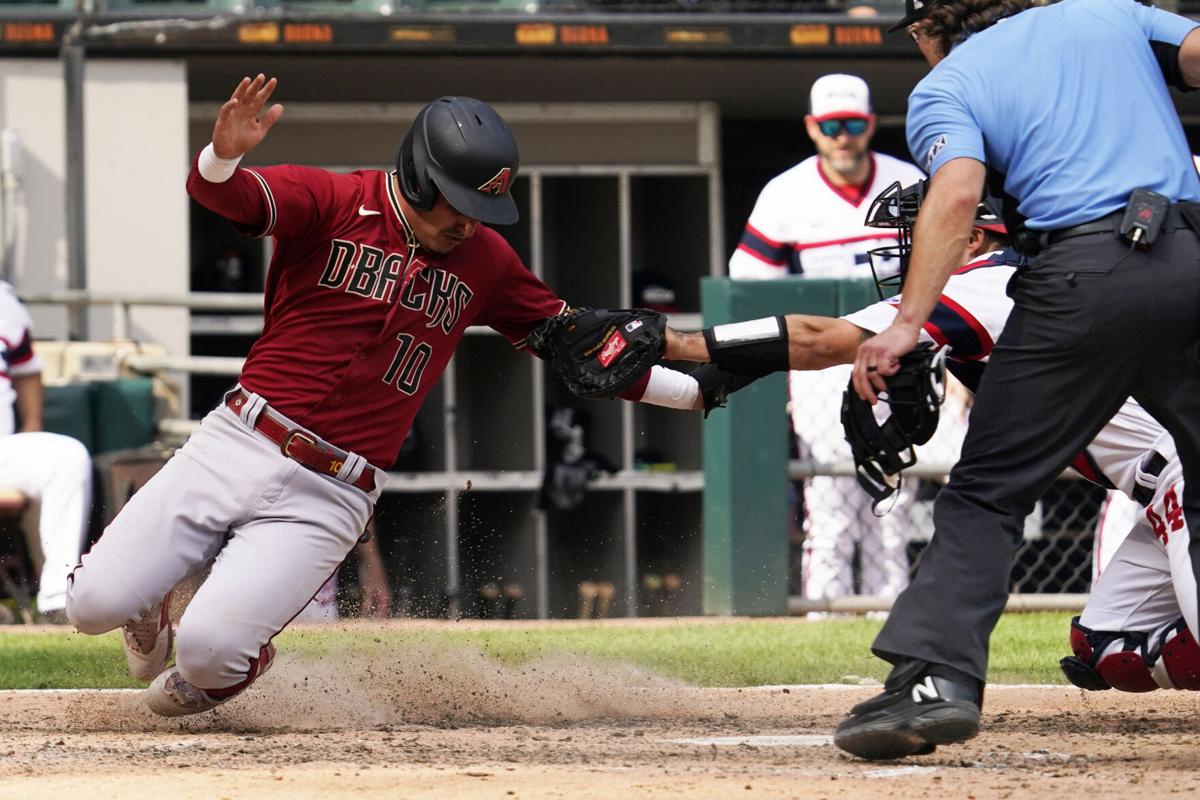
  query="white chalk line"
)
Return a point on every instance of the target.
[
  {"x": 796, "y": 687},
  {"x": 797, "y": 740}
]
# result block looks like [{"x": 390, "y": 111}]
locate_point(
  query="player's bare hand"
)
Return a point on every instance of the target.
[
  {"x": 241, "y": 124},
  {"x": 879, "y": 357}
]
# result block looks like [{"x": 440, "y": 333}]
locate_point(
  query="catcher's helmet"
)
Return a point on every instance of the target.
[
  {"x": 462, "y": 148},
  {"x": 914, "y": 396},
  {"x": 897, "y": 207}
]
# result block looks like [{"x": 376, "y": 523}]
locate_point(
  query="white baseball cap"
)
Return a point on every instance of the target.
[{"x": 839, "y": 95}]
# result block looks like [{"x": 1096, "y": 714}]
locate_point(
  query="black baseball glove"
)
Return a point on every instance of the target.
[{"x": 601, "y": 352}]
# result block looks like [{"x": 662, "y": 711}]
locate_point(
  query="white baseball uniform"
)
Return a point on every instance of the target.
[
  {"x": 1149, "y": 581},
  {"x": 55, "y": 470},
  {"x": 804, "y": 225}
]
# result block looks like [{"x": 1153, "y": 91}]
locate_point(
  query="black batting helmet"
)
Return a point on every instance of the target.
[{"x": 460, "y": 147}]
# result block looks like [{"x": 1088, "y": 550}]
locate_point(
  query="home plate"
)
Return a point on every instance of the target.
[
  {"x": 897, "y": 772},
  {"x": 800, "y": 740}
]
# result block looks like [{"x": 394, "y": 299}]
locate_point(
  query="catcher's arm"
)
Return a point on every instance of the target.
[{"x": 811, "y": 343}]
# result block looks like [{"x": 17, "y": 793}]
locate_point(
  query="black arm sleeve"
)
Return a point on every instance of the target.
[{"x": 1168, "y": 61}]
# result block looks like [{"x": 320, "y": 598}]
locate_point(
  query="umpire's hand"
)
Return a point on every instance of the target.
[
  {"x": 879, "y": 357},
  {"x": 239, "y": 128}
]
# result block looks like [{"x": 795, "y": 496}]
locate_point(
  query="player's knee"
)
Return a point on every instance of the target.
[
  {"x": 207, "y": 653},
  {"x": 96, "y": 606}
]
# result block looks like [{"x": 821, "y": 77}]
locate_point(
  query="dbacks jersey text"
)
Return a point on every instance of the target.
[
  {"x": 359, "y": 320},
  {"x": 804, "y": 224},
  {"x": 969, "y": 318}
]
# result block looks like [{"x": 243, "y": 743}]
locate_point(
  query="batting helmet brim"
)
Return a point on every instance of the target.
[{"x": 491, "y": 209}]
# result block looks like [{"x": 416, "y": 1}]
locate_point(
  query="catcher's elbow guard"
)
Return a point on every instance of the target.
[{"x": 755, "y": 347}]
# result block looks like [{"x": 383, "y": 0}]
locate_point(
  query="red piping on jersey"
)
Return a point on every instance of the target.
[
  {"x": 764, "y": 237},
  {"x": 985, "y": 339},
  {"x": 389, "y": 188},
  {"x": 759, "y": 256},
  {"x": 1089, "y": 470},
  {"x": 862, "y": 189},
  {"x": 936, "y": 333},
  {"x": 974, "y": 265},
  {"x": 269, "y": 199},
  {"x": 868, "y": 237}
]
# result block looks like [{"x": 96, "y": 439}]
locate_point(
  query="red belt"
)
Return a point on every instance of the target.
[{"x": 300, "y": 445}]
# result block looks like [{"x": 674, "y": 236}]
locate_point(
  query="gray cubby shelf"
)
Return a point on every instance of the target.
[{"x": 460, "y": 515}]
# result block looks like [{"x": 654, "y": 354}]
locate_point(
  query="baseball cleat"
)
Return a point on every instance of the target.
[
  {"x": 915, "y": 712},
  {"x": 172, "y": 696},
  {"x": 148, "y": 641}
]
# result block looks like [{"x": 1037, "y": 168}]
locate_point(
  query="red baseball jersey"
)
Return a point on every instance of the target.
[{"x": 359, "y": 320}]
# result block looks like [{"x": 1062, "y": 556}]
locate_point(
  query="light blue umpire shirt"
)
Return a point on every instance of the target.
[{"x": 1068, "y": 102}]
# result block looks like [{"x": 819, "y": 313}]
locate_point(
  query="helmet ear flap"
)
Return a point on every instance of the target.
[{"x": 411, "y": 167}]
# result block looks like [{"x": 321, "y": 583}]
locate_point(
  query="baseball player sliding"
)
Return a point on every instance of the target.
[
  {"x": 1137, "y": 632},
  {"x": 374, "y": 279}
]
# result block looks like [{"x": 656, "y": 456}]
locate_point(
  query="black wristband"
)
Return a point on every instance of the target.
[{"x": 757, "y": 347}]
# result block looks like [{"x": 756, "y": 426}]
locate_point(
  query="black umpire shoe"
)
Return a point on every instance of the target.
[{"x": 915, "y": 712}]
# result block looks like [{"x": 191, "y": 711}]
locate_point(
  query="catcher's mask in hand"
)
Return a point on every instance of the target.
[{"x": 882, "y": 450}]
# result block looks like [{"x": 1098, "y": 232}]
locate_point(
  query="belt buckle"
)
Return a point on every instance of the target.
[{"x": 291, "y": 437}]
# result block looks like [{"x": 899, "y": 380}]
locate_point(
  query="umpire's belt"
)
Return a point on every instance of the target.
[
  {"x": 300, "y": 445},
  {"x": 1152, "y": 464},
  {"x": 1177, "y": 219}
]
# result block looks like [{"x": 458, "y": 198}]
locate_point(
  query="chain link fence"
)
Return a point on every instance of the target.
[{"x": 844, "y": 556}]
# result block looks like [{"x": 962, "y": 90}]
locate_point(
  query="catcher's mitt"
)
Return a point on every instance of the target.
[{"x": 600, "y": 352}]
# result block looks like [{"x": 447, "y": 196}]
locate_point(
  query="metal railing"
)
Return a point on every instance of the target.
[{"x": 1051, "y": 568}]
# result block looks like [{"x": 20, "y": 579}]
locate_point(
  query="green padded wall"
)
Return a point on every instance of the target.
[
  {"x": 68, "y": 410},
  {"x": 123, "y": 413},
  {"x": 745, "y": 550},
  {"x": 104, "y": 415}
]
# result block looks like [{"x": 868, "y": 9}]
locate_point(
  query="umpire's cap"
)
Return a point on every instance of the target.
[
  {"x": 462, "y": 148},
  {"x": 914, "y": 11}
]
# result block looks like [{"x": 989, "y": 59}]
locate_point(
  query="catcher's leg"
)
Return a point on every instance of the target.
[
  {"x": 1132, "y": 598},
  {"x": 270, "y": 569},
  {"x": 1132, "y": 635},
  {"x": 1118, "y": 514}
]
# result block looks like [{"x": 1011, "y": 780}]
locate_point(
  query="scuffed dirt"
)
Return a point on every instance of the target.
[{"x": 448, "y": 724}]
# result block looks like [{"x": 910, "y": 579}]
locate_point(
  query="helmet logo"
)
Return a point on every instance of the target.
[{"x": 498, "y": 183}]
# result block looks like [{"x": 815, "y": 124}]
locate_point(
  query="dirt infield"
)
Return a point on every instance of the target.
[{"x": 457, "y": 724}]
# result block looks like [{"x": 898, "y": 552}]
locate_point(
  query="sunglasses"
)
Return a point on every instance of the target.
[{"x": 834, "y": 127}]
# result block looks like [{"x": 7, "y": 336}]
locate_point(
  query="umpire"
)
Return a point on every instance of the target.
[{"x": 1081, "y": 135}]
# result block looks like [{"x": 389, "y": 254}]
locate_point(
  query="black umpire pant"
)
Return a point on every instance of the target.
[{"x": 1092, "y": 324}]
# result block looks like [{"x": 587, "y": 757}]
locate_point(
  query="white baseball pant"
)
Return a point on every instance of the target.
[
  {"x": 276, "y": 530},
  {"x": 56, "y": 471}
]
